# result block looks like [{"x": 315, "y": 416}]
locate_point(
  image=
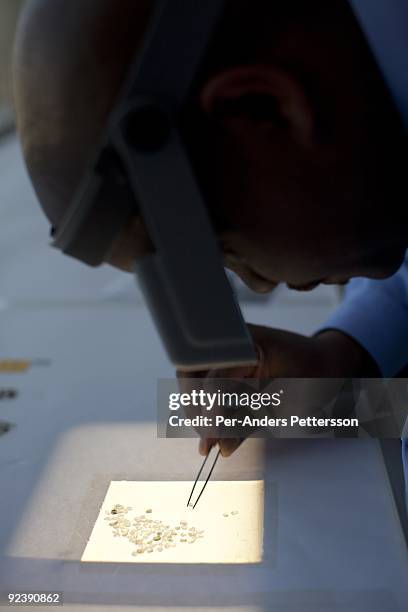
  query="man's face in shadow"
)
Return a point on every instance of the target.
[
  {"x": 306, "y": 173},
  {"x": 294, "y": 139}
]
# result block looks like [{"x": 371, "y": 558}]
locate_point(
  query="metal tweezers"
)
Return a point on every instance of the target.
[{"x": 207, "y": 479}]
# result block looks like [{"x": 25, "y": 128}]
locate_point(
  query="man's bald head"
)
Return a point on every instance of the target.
[
  {"x": 70, "y": 60},
  {"x": 289, "y": 113}
]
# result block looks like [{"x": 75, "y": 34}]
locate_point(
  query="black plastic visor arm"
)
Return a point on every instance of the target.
[{"x": 142, "y": 166}]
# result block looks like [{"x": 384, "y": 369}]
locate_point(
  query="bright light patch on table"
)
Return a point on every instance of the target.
[{"x": 225, "y": 527}]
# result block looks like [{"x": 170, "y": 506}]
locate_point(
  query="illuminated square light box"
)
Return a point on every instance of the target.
[{"x": 225, "y": 527}]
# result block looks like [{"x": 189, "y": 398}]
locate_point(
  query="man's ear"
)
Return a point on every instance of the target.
[{"x": 260, "y": 93}]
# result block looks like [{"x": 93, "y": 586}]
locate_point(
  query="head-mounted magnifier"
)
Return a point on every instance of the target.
[{"x": 142, "y": 167}]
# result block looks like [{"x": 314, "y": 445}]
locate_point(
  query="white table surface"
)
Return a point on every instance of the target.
[{"x": 332, "y": 536}]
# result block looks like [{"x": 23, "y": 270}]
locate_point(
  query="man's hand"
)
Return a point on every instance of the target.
[{"x": 330, "y": 354}]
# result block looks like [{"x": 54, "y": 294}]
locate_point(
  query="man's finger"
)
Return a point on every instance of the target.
[
  {"x": 229, "y": 445},
  {"x": 206, "y": 445}
]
